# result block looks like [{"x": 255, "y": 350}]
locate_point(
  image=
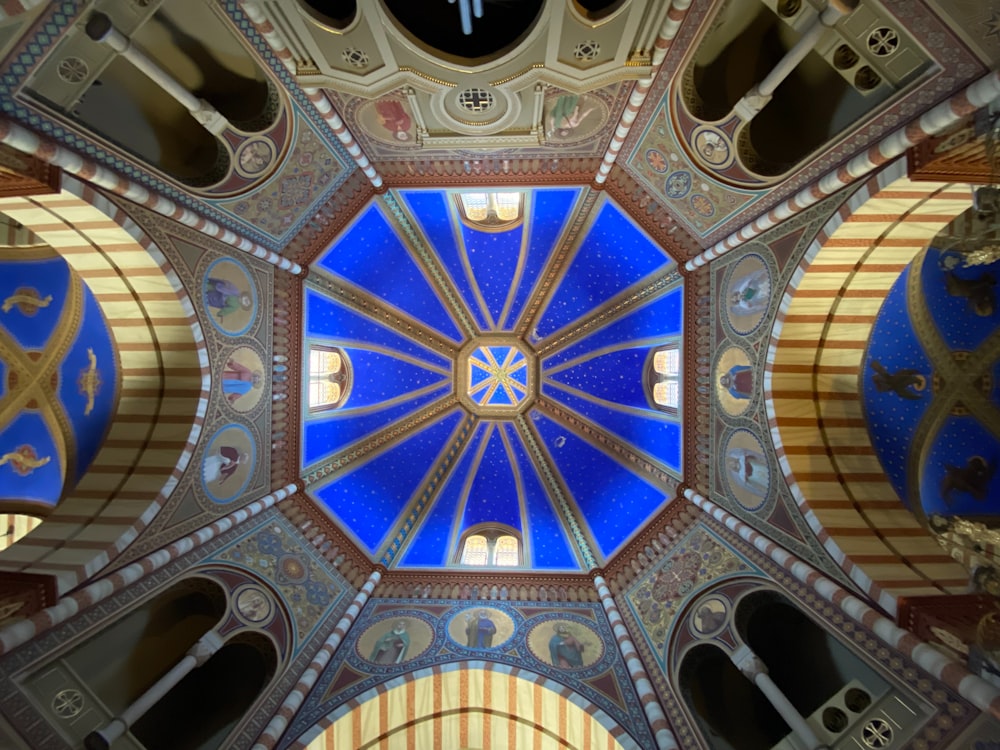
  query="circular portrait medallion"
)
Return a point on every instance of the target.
[
  {"x": 228, "y": 463},
  {"x": 394, "y": 640},
  {"x": 709, "y": 616},
  {"x": 230, "y": 296},
  {"x": 747, "y": 294},
  {"x": 734, "y": 381},
  {"x": 746, "y": 469},
  {"x": 254, "y": 156},
  {"x": 242, "y": 381},
  {"x": 254, "y": 605},
  {"x": 481, "y": 627},
  {"x": 389, "y": 120},
  {"x": 573, "y": 117},
  {"x": 566, "y": 644}
]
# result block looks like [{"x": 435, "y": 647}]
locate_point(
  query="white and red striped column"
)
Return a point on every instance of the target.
[
  {"x": 32, "y": 144},
  {"x": 678, "y": 9},
  {"x": 258, "y": 17},
  {"x": 279, "y": 723},
  {"x": 665, "y": 739},
  {"x": 24, "y": 630},
  {"x": 933, "y": 121},
  {"x": 977, "y": 691}
]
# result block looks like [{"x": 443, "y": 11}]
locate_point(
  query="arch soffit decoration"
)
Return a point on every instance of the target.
[
  {"x": 164, "y": 382},
  {"x": 833, "y": 298},
  {"x": 460, "y": 700}
]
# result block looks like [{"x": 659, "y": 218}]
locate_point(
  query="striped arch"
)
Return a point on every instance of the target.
[
  {"x": 811, "y": 390},
  {"x": 466, "y": 705},
  {"x": 164, "y": 386}
]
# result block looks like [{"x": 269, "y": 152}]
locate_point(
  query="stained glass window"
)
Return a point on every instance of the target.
[
  {"x": 329, "y": 377},
  {"x": 491, "y": 546},
  {"x": 505, "y": 552},
  {"x": 663, "y": 373},
  {"x": 493, "y": 212},
  {"x": 477, "y": 206},
  {"x": 476, "y": 551}
]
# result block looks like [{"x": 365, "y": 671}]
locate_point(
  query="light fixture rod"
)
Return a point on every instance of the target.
[{"x": 464, "y": 10}]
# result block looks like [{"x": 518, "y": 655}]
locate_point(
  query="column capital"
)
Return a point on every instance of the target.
[
  {"x": 205, "y": 647},
  {"x": 748, "y": 662}
]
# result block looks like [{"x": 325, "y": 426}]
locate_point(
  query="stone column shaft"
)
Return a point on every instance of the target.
[
  {"x": 755, "y": 99},
  {"x": 753, "y": 668},
  {"x": 101, "y": 29},
  {"x": 197, "y": 655}
]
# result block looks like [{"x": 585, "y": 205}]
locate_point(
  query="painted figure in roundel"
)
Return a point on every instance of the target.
[
  {"x": 393, "y": 118},
  {"x": 230, "y": 297},
  {"x": 479, "y": 630},
  {"x": 747, "y": 470},
  {"x": 748, "y": 294},
  {"x": 481, "y": 627},
  {"x": 571, "y": 117},
  {"x": 243, "y": 379},
  {"x": 565, "y": 649},
  {"x": 565, "y": 644},
  {"x": 394, "y": 640},
  {"x": 710, "y": 616},
  {"x": 392, "y": 646},
  {"x": 220, "y": 465},
  {"x": 734, "y": 381},
  {"x": 228, "y": 463}
]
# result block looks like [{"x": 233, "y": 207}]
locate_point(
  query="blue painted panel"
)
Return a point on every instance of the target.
[
  {"x": 654, "y": 434},
  {"x": 28, "y": 434},
  {"x": 329, "y": 320},
  {"x": 478, "y": 375},
  {"x": 613, "y": 256},
  {"x": 614, "y": 503},
  {"x": 959, "y": 470},
  {"x": 961, "y": 301},
  {"x": 494, "y": 258},
  {"x": 891, "y": 419},
  {"x": 47, "y": 279},
  {"x": 493, "y": 496},
  {"x": 380, "y": 377},
  {"x": 370, "y": 499},
  {"x": 615, "y": 376},
  {"x": 433, "y": 543},
  {"x": 371, "y": 256},
  {"x": 545, "y": 536},
  {"x": 548, "y": 214},
  {"x": 342, "y": 427},
  {"x": 656, "y": 319},
  {"x": 434, "y": 214},
  {"x": 88, "y": 428}
]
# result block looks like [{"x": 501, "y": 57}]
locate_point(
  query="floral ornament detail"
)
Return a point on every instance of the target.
[{"x": 269, "y": 543}]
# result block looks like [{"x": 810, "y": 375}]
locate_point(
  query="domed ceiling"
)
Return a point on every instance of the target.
[
  {"x": 930, "y": 383},
  {"x": 58, "y": 375},
  {"x": 513, "y": 375}
]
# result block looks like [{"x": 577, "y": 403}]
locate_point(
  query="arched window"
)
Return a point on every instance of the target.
[
  {"x": 329, "y": 378},
  {"x": 506, "y": 551},
  {"x": 491, "y": 212},
  {"x": 663, "y": 372},
  {"x": 491, "y": 546},
  {"x": 475, "y": 551}
]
